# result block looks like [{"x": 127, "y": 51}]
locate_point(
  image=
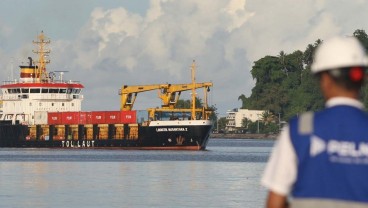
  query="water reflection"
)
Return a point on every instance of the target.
[{"x": 224, "y": 176}]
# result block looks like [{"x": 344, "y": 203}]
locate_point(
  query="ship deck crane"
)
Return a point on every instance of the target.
[
  {"x": 171, "y": 95},
  {"x": 129, "y": 94}
]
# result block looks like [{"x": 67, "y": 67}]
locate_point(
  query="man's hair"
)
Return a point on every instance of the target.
[{"x": 350, "y": 78}]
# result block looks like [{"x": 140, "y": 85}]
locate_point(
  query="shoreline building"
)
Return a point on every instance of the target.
[{"x": 235, "y": 117}]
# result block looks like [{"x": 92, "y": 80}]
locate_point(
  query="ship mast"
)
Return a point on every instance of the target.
[
  {"x": 42, "y": 52},
  {"x": 193, "y": 91}
]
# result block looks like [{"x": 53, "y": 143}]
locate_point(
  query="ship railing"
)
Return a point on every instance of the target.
[
  {"x": 66, "y": 81},
  {"x": 10, "y": 97},
  {"x": 10, "y": 82},
  {"x": 56, "y": 96},
  {"x": 41, "y": 96},
  {"x": 37, "y": 81}
]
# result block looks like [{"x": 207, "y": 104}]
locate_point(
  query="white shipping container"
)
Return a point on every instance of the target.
[{"x": 40, "y": 117}]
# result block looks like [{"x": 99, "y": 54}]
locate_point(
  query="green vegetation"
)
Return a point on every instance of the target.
[
  {"x": 188, "y": 103},
  {"x": 269, "y": 124},
  {"x": 285, "y": 85},
  {"x": 199, "y": 104}
]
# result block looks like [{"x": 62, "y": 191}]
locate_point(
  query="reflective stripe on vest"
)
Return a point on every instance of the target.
[{"x": 306, "y": 123}]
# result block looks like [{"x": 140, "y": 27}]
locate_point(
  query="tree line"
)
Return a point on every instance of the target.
[
  {"x": 284, "y": 87},
  {"x": 284, "y": 83}
]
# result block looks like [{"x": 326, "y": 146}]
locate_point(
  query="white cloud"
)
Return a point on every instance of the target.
[
  {"x": 160, "y": 46},
  {"x": 225, "y": 37},
  {"x": 117, "y": 46},
  {"x": 118, "y": 23},
  {"x": 238, "y": 13}
]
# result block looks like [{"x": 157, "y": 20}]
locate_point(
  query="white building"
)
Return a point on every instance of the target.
[{"x": 235, "y": 118}]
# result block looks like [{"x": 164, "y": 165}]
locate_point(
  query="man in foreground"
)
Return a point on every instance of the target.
[{"x": 321, "y": 159}]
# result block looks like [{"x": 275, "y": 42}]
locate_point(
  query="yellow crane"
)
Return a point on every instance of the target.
[
  {"x": 129, "y": 94},
  {"x": 171, "y": 95}
]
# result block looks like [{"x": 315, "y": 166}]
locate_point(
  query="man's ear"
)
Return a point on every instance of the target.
[{"x": 326, "y": 84}]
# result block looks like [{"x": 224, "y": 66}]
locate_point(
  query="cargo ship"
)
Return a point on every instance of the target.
[{"x": 42, "y": 110}]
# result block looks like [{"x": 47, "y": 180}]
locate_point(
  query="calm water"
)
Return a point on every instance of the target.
[{"x": 226, "y": 175}]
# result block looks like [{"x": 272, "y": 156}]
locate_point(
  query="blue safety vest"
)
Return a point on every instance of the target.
[{"x": 332, "y": 152}]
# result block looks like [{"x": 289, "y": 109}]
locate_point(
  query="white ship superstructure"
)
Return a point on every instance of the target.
[{"x": 38, "y": 90}]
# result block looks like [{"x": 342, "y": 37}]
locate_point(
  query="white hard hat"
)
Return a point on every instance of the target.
[{"x": 339, "y": 52}]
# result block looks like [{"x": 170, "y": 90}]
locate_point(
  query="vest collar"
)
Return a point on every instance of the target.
[{"x": 344, "y": 101}]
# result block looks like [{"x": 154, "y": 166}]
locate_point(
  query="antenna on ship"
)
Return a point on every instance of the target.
[
  {"x": 61, "y": 73},
  {"x": 42, "y": 52}
]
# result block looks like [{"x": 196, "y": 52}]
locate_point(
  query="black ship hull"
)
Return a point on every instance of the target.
[{"x": 170, "y": 137}]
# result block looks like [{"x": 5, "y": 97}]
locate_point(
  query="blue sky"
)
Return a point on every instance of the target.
[
  {"x": 60, "y": 19},
  {"x": 108, "y": 43}
]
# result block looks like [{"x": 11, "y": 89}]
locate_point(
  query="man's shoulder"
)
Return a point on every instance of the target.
[{"x": 303, "y": 122}]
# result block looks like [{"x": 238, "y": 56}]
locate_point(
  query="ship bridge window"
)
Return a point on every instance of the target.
[
  {"x": 69, "y": 91},
  {"x": 35, "y": 90},
  {"x": 14, "y": 90},
  {"x": 44, "y": 90},
  {"x": 25, "y": 90},
  {"x": 62, "y": 90},
  {"x": 53, "y": 90},
  {"x": 77, "y": 91}
]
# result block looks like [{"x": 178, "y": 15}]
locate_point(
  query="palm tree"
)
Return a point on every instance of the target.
[
  {"x": 245, "y": 123},
  {"x": 282, "y": 56},
  {"x": 243, "y": 99},
  {"x": 268, "y": 117}
]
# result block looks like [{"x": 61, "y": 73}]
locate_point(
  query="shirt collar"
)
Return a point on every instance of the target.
[{"x": 344, "y": 101}]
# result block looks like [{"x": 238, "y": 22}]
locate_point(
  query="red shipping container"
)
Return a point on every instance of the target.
[
  {"x": 54, "y": 118},
  {"x": 82, "y": 118},
  {"x": 128, "y": 117},
  {"x": 112, "y": 117},
  {"x": 70, "y": 118},
  {"x": 89, "y": 118},
  {"x": 97, "y": 117}
]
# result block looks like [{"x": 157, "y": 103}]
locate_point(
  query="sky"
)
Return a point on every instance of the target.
[{"x": 110, "y": 43}]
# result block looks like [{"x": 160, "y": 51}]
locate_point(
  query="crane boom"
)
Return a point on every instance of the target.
[
  {"x": 129, "y": 93},
  {"x": 171, "y": 95}
]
